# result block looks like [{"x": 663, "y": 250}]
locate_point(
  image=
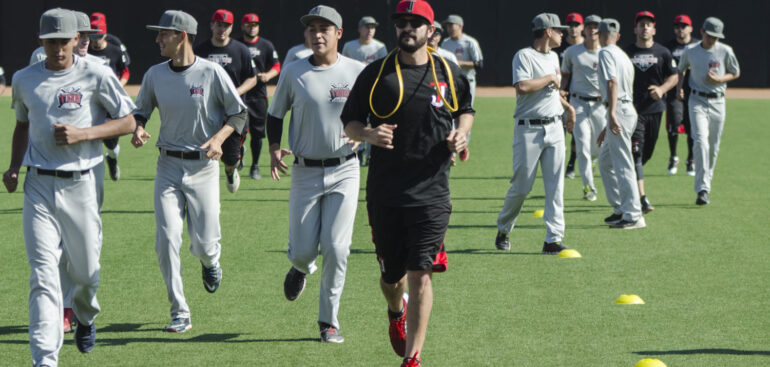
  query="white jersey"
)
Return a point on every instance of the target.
[
  {"x": 297, "y": 52},
  {"x": 315, "y": 95},
  {"x": 193, "y": 104},
  {"x": 82, "y": 95},
  {"x": 448, "y": 55},
  {"x": 720, "y": 58},
  {"x": 365, "y": 53},
  {"x": 615, "y": 64},
  {"x": 582, "y": 64},
  {"x": 465, "y": 48},
  {"x": 529, "y": 64},
  {"x": 37, "y": 55}
]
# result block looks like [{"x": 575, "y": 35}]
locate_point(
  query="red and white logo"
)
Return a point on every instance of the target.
[
  {"x": 69, "y": 98},
  {"x": 196, "y": 90},
  {"x": 221, "y": 59},
  {"x": 339, "y": 92},
  {"x": 435, "y": 101}
]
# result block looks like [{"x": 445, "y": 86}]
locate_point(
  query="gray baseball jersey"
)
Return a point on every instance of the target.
[
  {"x": 720, "y": 58},
  {"x": 466, "y": 48},
  {"x": 366, "y": 53},
  {"x": 193, "y": 104},
  {"x": 297, "y": 52},
  {"x": 582, "y": 65},
  {"x": 615, "y": 64},
  {"x": 448, "y": 55},
  {"x": 315, "y": 130},
  {"x": 530, "y": 64},
  {"x": 37, "y": 55}
]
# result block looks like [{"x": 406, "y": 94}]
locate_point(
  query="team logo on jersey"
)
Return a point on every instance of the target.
[
  {"x": 459, "y": 51},
  {"x": 69, "y": 98},
  {"x": 714, "y": 64},
  {"x": 644, "y": 61},
  {"x": 221, "y": 59},
  {"x": 435, "y": 101},
  {"x": 254, "y": 52},
  {"x": 339, "y": 92},
  {"x": 370, "y": 58},
  {"x": 196, "y": 90}
]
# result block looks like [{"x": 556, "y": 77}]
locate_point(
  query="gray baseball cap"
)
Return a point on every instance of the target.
[
  {"x": 454, "y": 19},
  {"x": 84, "y": 23},
  {"x": 322, "y": 12},
  {"x": 438, "y": 26},
  {"x": 367, "y": 20},
  {"x": 58, "y": 23},
  {"x": 609, "y": 25},
  {"x": 593, "y": 18},
  {"x": 547, "y": 20},
  {"x": 714, "y": 27},
  {"x": 176, "y": 20}
]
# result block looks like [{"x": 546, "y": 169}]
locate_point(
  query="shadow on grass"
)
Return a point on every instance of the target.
[
  {"x": 678, "y": 206},
  {"x": 472, "y": 251},
  {"x": 11, "y": 211},
  {"x": 727, "y": 351},
  {"x": 480, "y": 178},
  {"x": 122, "y": 178},
  {"x": 15, "y": 329},
  {"x": 127, "y": 212}
]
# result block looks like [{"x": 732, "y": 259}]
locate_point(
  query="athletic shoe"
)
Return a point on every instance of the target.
[
  {"x": 233, "y": 181},
  {"x": 112, "y": 164},
  {"x": 294, "y": 284},
  {"x": 211, "y": 278},
  {"x": 412, "y": 361},
  {"x": 254, "y": 172},
  {"x": 465, "y": 154},
  {"x": 69, "y": 320},
  {"x": 179, "y": 325},
  {"x": 703, "y": 198},
  {"x": 570, "y": 172},
  {"x": 614, "y": 218},
  {"x": 646, "y": 206},
  {"x": 397, "y": 329},
  {"x": 330, "y": 334},
  {"x": 502, "y": 242},
  {"x": 672, "y": 163},
  {"x": 553, "y": 248},
  {"x": 690, "y": 168},
  {"x": 589, "y": 194},
  {"x": 627, "y": 224},
  {"x": 85, "y": 337}
]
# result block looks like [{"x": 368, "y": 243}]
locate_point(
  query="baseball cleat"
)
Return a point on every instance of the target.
[
  {"x": 646, "y": 206},
  {"x": 397, "y": 328},
  {"x": 627, "y": 224},
  {"x": 293, "y": 284},
  {"x": 69, "y": 320},
  {"x": 112, "y": 165},
  {"x": 85, "y": 337},
  {"x": 672, "y": 163},
  {"x": 690, "y": 168},
  {"x": 330, "y": 334},
  {"x": 178, "y": 325},
  {"x": 502, "y": 242},
  {"x": 589, "y": 194},
  {"x": 570, "y": 172},
  {"x": 412, "y": 361},
  {"x": 211, "y": 277},
  {"x": 614, "y": 218},
  {"x": 553, "y": 248},
  {"x": 254, "y": 172},
  {"x": 233, "y": 181},
  {"x": 703, "y": 198}
]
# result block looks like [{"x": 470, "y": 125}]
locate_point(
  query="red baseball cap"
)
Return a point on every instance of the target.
[
  {"x": 420, "y": 8},
  {"x": 644, "y": 14},
  {"x": 574, "y": 18},
  {"x": 98, "y": 16},
  {"x": 222, "y": 15},
  {"x": 683, "y": 19},
  {"x": 99, "y": 26},
  {"x": 250, "y": 18}
]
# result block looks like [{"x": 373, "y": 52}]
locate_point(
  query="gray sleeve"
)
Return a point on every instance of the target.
[
  {"x": 346, "y": 49},
  {"x": 684, "y": 61},
  {"x": 237, "y": 121},
  {"x": 145, "y": 100},
  {"x": 566, "y": 66},
  {"x": 731, "y": 62},
  {"x": 112, "y": 97},
  {"x": 382, "y": 52},
  {"x": 476, "y": 55},
  {"x": 22, "y": 113},
  {"x": 282, "y": 98},
  {"x": 607, "y": 68},
  {"x": 521, "y": 68}
]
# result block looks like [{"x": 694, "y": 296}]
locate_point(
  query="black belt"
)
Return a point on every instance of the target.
[
  {"x": 538, "y": 121},
  {"x": 194, "y": 155},
  {"x": 588, "y": 99},
  {"x": 607, "y": 104},
  {"x": 708, "y": 95},
  {"x": 331, "y": 162},
  {"x": 59, "y": 174}
]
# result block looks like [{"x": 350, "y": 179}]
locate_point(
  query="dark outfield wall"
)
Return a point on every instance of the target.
[{"x": 501, "y": 26}]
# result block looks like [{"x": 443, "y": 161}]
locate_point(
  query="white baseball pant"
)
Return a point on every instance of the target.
[
  {"x": 60, "y": 215},
  {"x": 322, "y": 210},
  {"x": 533, "y": 144},
  {"x": 185, "y": 188},
  {"x": 707, "y": 120},
  {"x": 616, "y": 165},
  {"x": 591, "y": 120}
]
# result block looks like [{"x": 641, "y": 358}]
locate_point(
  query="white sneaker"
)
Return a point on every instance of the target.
[
  {"x": 672, "y": 165},
  {"x": 233, "y": 182}
]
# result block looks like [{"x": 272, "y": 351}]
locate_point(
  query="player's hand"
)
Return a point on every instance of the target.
[
  {"x": 68, "y": 134},
  {"x": 656, "y": 92},
  {"x": 262, "y": 77},
  {"x": 564, "y": 93},
  {"x": 600, "y": 139},
  {"x": 354, "y": 143},
  {"x": 713, "y": 78},
  {"x": 381, "y": 136},
  {"x": 11, "y": 180},
  {"x": 571, "y": 118},
  {"x": 214, "y": 147},
  {"x": 613, "y": 124},
  {"x": 277, "y": 165},
  {"x": 554, "y": 81},
  {"x": 457, "y": 141},
  {"x": 680, "y": 94},
  {"x": 140, "y": 137}
]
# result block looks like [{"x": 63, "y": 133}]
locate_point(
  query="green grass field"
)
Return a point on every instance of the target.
[{"x": 703, "y": 272}]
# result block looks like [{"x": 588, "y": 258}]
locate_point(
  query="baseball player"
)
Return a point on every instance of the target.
[
  {"x": 579, "y": 71},
  {"x": 267, "y": 67},
  {"x": 61, "y": 106},
  {"x": 113, "y": 39},
  {"x": 655, "y": 74},
  {"x": 538, "y": 136},
  {"x": 574, "y": 37},
  {"x": 365, "y": 48},
  {"x": 435, "y": 40},
  {"x": 677, "y": 114},
  {"x": 235, "y": 58},
  {"x": 193, "y": 96},
  {"x": 298, "y": 52},
  {"x": 712, "y": 64},
  {"x": 325, "y": 175},
  {"x": 407, "y": 190},
  {"x": 616, "y": 164}
]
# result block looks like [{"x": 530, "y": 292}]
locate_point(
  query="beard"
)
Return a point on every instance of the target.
[{"x": 419, "y": 42}]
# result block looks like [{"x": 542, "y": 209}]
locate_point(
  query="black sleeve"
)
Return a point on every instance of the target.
[
  {"x": 140, "y": 120},
  {"x": 463, "y": 91},
  {"x": 248, "y": 64},
  {"x": 357, "y": 106},
  {"x": 120, "y": 62},
  {"x": 274, "y": 127},
  {"x": 668, "y": 62}
]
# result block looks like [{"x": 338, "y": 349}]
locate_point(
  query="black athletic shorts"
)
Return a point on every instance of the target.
[
  {"x": 645, "y": 136},
  {"x": 231, "y": 149},
  {"x": 257, "y": 116},
  {"x": 407, "y": 238}
]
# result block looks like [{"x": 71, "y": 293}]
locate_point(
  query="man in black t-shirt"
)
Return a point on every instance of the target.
[
  {"x": 235, "y": 58},
  {"x": 114, "y": 40},
  {"x": 267, "y": 67},
  {"x": 407, "y": 190},
  {"x": 676, "y": 109},
  {"x": 654, "y": 74}
]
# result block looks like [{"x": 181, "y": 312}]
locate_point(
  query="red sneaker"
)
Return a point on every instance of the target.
[
  {"x": 411, "y": 362},
  {"x": 397, "y": 330},
  {"x": 465, "y": 154},
  {"x": 69, "y": 320}
]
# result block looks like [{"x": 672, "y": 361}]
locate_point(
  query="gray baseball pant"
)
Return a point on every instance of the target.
[
  {"x": 707, "y": 119},
  {"x": 591, "y": 120},
  {"x": 616, "y": 164},
  {"x": 322, "y": 210},
  {"x": 533, "y": 144}
]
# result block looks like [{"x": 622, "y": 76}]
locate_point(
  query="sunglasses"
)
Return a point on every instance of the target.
[{"x": 415, "y": 23}]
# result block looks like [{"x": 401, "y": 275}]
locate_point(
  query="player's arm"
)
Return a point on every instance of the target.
[
  {"x": 565, "y": 78},
  {"x": 612, "y": 106},
  {"x": 18, "y": 148},
  {"x": 125, "y": 74},
  {"x": 534, "y": 85},
  {"x": 69, "y": 135},
  {"x": 233, "y": 123},
  {"x": 381, "y": 136},
  {"x": 457, "y": 139},
  {"x": 571, "y": 115},
  {"x": 247, "y": 85},
  {"x": 713, "y": 78},
  {"x": 657, "y": 92},
  {"x": 274, "y": 129}
]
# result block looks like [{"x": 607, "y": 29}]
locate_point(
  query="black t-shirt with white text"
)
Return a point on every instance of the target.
[
  {"x": 233, "y": 57},
  {"x": 113, "y": 55},
  {"x": 652, "y": 66},
  {"x": 677, "y": 49},
  {"x": 113, "y": 39},
  {"x": 416, "y": 171},
  {"x": 263, "y": 54}
]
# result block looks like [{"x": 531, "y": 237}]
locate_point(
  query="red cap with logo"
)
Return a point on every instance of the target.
[
  {"x": 222, "y": 15},
  {"x": 250, "y": 18},
  {"x": 100, "y": 26},
  {"x": 98, "y": 16},
  {"x": 644, "y": 14},
  {"x": 418, "y": 8},
  {"x": 574, "y": 18},
  {"x": 683, "y": 19}
]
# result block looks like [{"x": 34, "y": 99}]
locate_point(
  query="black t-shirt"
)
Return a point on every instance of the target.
[
  {"x": 416, "y": 171},
  {"x": 652, "y": 66},
  {"x": 112, "y": 55},
  {"x": 117, "y": 42},
  {"x": 233, "y": 57},
  {"x": 677, "y": 49},
  {"x": 263, "y": 54}
]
